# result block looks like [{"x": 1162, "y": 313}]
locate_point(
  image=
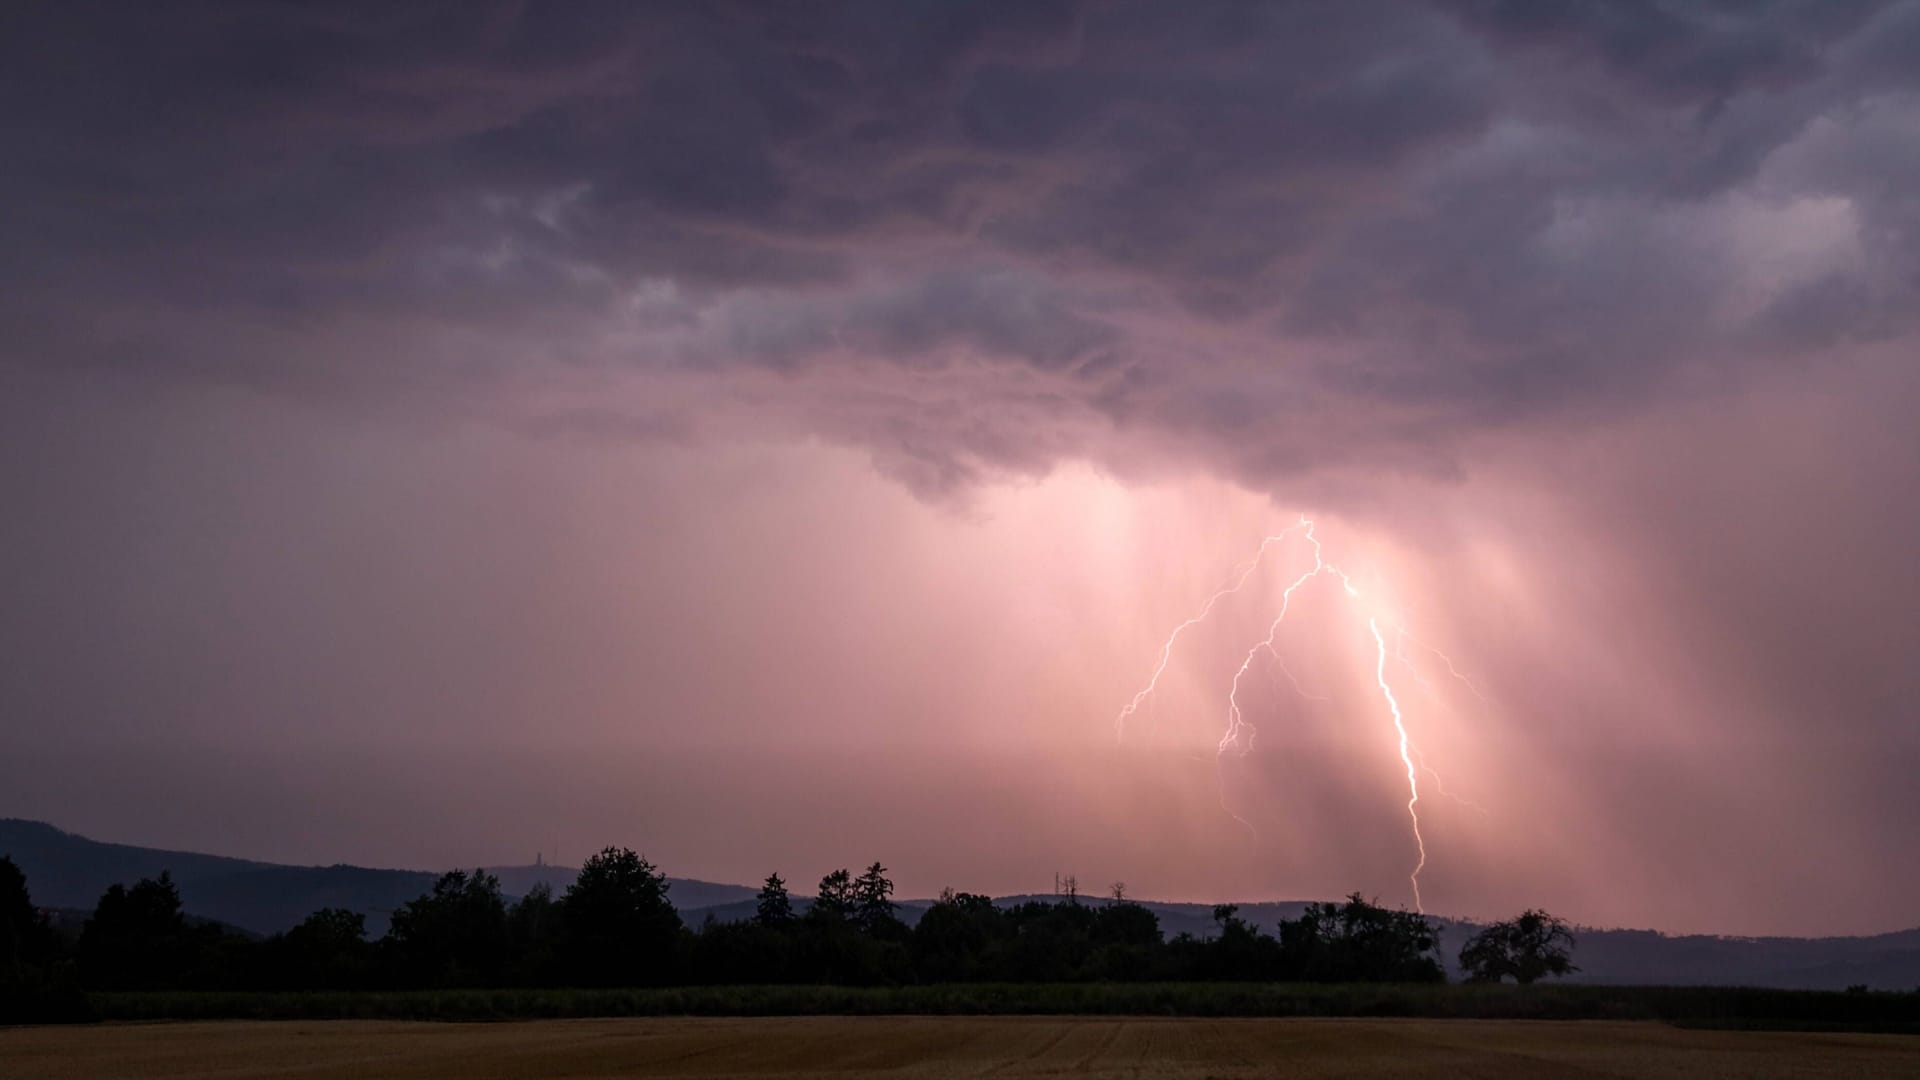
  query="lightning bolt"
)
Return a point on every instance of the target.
[
  {"x": 1413, "y": 779},
  {"x": 1419, "y": 755},
  {"x": 1406, "y": 635},
  {"x": 1400, "y": 654},
  {"x": 1166, "y": 650},
  {"x": 1220, "y": 778},
  {"x": 1294, "y": 681},
  {"x": 1400, "y": 640},
  {"x": 1240, "y": 732},
  {"x": 1440, "y": 785}
]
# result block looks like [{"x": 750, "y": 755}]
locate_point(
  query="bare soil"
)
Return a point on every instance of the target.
[{"x": 910, "y": 1047}]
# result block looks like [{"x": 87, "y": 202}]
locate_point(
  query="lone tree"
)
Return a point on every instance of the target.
[
  {"x": 619, "y": 924},
  {"x": 1527, "y": 947},
  {"x": 776, "y": 907},
  {"x": 873, "y": 898}
]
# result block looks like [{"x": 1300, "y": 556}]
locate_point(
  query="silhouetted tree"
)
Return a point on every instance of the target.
[
  {"x": 533, "y": 935},
  {"x": 24, "y": 937},
  {"x": 615, "y": 925},
  {"x": 1049, "y": 941},
  {"x": 775, "y": 907},
  {"x": 37, "y": 985},
  {"x": 873, "y": 900},
  {"x": 1360, "y": 942},
  {"x": 834, "y": 898},
  {"x": 455, "y": 935},
  {"x": 846, "y": 938},
  {"x": 1240, "y": 951},
  {"x": 327, "y": 951},
  {"x": 620, "y": 927},
  {"x": 1126, "y": 943},
  {"x": 1126, "y": 923},
  {"x": 138, "y": 938},
  {"x": 331, "y": 930},
  {"x": 1526, "y": 947},
  {"x": 958, "y": 939},
  {"x": 749, "y": 951}
]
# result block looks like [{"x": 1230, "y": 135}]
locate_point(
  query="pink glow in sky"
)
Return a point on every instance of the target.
[{"x": 780, "y": 439}]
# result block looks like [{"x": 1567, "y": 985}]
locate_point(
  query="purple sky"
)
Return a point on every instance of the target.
[{"x": 781, "y": 436}]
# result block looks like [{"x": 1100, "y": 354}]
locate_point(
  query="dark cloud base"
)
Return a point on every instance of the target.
[{"x": 1205, "y": 227}]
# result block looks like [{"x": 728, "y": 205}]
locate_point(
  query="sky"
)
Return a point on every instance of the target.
[{"x": 780, "y": 437}]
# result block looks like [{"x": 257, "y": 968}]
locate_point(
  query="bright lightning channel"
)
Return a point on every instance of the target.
[
  {"x": 1166, "y": 650},
  {"x": 1240, "y": 732},
  {"x": 1413, "y": 780}
]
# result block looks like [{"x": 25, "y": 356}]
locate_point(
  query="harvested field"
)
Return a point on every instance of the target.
[{"x": 906, "y": 1047}]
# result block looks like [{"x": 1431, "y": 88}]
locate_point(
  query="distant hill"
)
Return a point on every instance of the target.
[
  {"x": 1881, "y": 961},
  {"x": 66, "y": 871}
]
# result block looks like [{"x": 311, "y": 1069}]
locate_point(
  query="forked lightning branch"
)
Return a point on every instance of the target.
[{"x": 1238, "y": 736}]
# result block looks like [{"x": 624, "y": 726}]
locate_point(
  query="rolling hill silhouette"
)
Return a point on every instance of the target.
[
  {"x": 69, "y": 872},
  {"x": 65, "y": 870}
]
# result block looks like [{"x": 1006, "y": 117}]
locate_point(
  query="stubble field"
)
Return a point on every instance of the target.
[{"x": 910, "y": 1047}]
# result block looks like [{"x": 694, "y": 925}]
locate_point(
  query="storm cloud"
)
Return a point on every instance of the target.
[
  {"x": 1628, "y": 284},
  {"x": 1439, "y": 218}
]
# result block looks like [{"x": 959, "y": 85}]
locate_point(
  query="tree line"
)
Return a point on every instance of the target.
[{"x": 614, "y": 926}]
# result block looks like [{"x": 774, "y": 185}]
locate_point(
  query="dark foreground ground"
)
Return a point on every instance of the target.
[
  {"x": 904, "y": 1048},
  {"x": 1688, "y": 1006}
]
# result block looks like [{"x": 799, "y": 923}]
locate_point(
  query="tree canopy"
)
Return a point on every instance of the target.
[
  {"x": 775, "y": 907},
  {"x": 1525, "y": 948},
  {"x": 25, "y": 939},
  {"x": 615, "y": 926},
  {"x": 617, "y": 922},
  {"x": 455, "y": 935}
]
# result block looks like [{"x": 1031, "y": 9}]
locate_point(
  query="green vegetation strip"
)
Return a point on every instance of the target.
[{"x": 1690, "y": 1006}]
